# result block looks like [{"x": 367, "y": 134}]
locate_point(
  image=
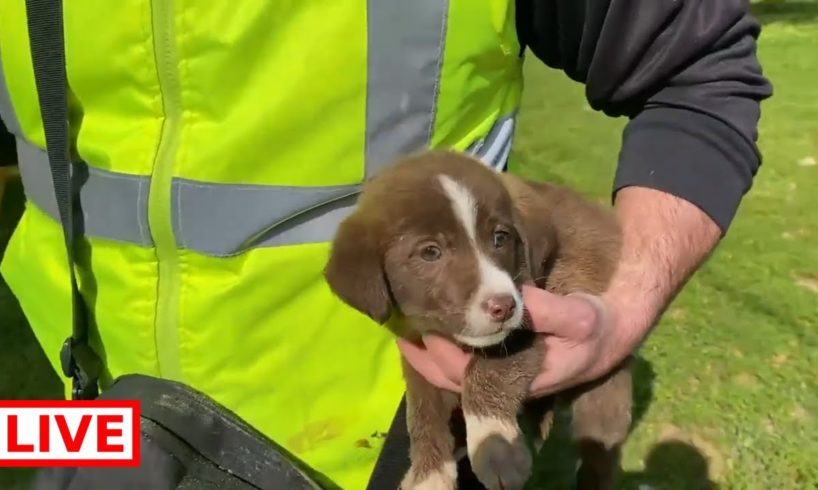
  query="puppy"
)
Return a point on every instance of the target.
[{"x": 441, "y": 243}]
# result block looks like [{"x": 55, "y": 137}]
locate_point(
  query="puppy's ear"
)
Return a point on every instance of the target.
[
  {"x": 528, "y": 269},
  {"x": 532, "y": 222},
  {"x": 538, "y": 238},
  {"x": 355, "y": 272}
]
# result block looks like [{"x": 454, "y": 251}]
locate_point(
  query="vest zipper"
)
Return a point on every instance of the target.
[{"x": 166, "y": 327}]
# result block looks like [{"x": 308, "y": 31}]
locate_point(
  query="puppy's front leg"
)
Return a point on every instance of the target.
[
  {"x": 493, "y": 394},
  {"x": 428, "y": 413},
  {"x": 601, "y": 419}
]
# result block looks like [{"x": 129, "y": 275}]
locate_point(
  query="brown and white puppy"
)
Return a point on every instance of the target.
[{"x": 441, "y": 243}]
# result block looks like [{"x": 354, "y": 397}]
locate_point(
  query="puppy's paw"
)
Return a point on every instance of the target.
[
  {"x": 497, "y": 452},
  {"x": 443, "y": 478}
]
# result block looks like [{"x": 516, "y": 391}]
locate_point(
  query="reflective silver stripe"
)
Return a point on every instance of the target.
[
  {"x": 495, "y": 147},
  {"x": 405, "y": 42},
  {"x": 6, "y": 109},
  {"x": 223, "y": 219},
  {"x": 114, "y": 206},
  {"x": 216, "y": 219}
]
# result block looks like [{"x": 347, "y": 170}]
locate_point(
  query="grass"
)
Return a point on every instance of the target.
[{"x": 727, "y": 387}]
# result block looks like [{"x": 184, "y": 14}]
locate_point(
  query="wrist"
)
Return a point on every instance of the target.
[
  {"x": 632, "y": 318},
  {"x": 664, "y": 240}
]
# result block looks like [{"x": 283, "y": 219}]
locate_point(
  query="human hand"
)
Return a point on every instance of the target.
[{"x": 581, "y": 339}]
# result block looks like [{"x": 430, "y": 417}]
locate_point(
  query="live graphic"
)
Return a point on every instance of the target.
[{"x": 69, "y": 433}]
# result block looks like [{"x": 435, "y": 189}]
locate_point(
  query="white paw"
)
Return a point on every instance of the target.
[
  {"x": 444, "y": 478},
  {"x": 497, "y": 452}
]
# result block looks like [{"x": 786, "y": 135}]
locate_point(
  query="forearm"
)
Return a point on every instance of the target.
[
  {"x": 665, "y": 240},
  {"x": 688, "y": 77}
]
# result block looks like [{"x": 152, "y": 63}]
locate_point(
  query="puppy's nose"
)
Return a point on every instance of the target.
[{"x": 500, "y": 308}]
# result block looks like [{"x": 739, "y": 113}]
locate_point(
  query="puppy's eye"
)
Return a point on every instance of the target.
[
  {"x": 500, "y": 238},
  {"x": 430, "y": 253}
]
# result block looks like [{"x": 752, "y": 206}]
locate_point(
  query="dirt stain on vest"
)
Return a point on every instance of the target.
[{"x": 316, "y": 433}]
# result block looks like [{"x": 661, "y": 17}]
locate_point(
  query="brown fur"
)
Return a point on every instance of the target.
[{"x": 557, "y": 239}]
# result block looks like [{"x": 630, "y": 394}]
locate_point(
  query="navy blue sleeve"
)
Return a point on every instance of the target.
[{"x": 685, "y": 73}]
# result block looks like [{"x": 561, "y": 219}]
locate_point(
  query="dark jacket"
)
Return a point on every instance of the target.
[{"x": 686, "y": 74}]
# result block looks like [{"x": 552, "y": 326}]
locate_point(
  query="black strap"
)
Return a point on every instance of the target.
[
  {"x": 45, "y": 28},
  {"x": 393, "y": 462}
]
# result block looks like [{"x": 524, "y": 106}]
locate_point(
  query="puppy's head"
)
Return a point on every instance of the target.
[{"x": 436, "y": 238}]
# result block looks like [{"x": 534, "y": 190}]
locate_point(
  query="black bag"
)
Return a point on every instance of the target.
[{"x": 187, "y": 440}]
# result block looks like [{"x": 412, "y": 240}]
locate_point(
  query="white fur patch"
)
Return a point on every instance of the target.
[
  {"x": 483, "y": 340},
  {"x": 481, "y": 331},
  {"x": 443, "y": 479},
  {"x": 498, "y": 456},
  {"x": 480, "y": 428},
  {"x": 463, "y": 203}
]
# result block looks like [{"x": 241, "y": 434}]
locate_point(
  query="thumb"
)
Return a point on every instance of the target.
[
  {"x": 572, "y": 316},
  {"x": 451, "y": 359}
]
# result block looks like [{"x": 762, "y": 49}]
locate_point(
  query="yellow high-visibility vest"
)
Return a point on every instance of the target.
[{"x": 219, "y": 146}]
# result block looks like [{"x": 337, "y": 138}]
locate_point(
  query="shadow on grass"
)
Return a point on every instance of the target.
[
  {"x": 671, "y": 465},
  {"x": 785, "y": 12}
]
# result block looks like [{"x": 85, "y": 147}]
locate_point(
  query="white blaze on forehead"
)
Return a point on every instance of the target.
[
  {"x": 463, "y": 203},
  {"x": 480, "y": 330}
]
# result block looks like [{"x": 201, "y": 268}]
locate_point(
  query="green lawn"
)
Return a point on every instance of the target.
[{"x": 727, "y": 387}]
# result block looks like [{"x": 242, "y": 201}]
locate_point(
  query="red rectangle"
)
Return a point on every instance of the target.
[{"x": 69, "y": 433}]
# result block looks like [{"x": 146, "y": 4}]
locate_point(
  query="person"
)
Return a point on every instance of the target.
[{"x": 222, "y": 145}]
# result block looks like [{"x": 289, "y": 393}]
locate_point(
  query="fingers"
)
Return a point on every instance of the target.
[
  {"x": 574, "y": 316},
  {"x": 553, "y": 370},
  {"x": 545, "y": 385},
  {"x": 557, "y": 374},
  {"x": 448, "y": 356},
  {"x": 426, "y": 365},
  {"x": 568, "y": 364}
]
